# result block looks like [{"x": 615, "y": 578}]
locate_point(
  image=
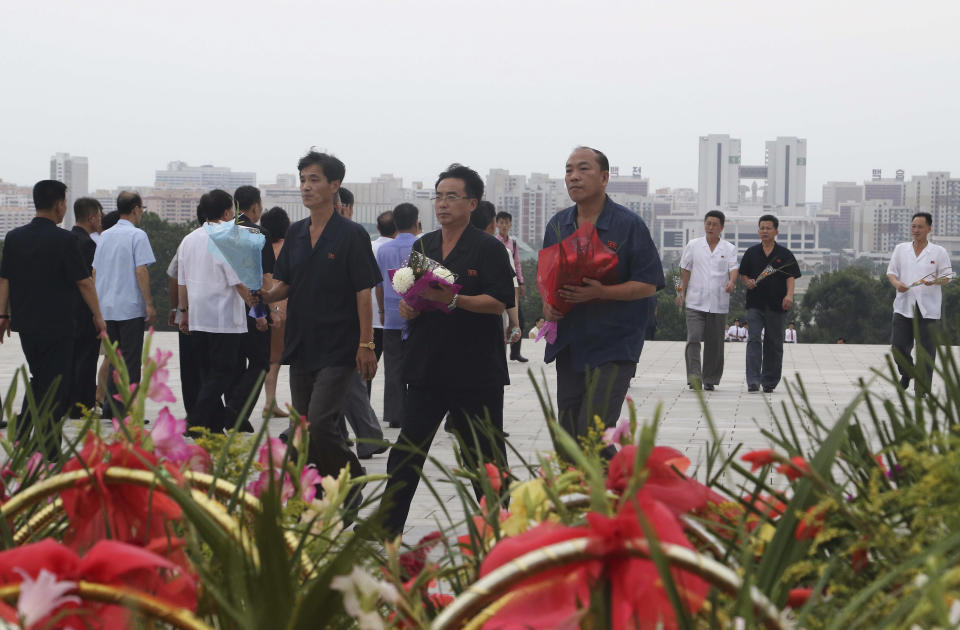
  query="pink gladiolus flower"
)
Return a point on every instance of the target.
[
  {"x": 34, "y": 463},
  {"x": 271, "y": 454},
  {"x": 259, "y": 485},
  {"x": 117, "y": 423},
  {"x": 299, "y": 431},
  {"x": 615, "y": 435},
  {"x": 158, "y": 390},
  {"x": 309, "y": 478},
  {"x": 199, "y": 460},
  {"x": 167, "y": 436},
  {"x": 40, "y": 597},
  {"x": 161, "y": 358}
]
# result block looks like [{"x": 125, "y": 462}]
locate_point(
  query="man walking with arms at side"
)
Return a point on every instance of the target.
[
  {"x": 769, "y": 272},
  {"x": 504, "y": 223},
  {"x": 88, "y": 214},
  {"x": 917, "y": 271},
  {"x": 708, "y": 274},
  {"x": 123, "y": 286},
  {"x": 41, "y": 273},
  {"x": 388, "y": 231},
  {"x": 604, "y": 330}
]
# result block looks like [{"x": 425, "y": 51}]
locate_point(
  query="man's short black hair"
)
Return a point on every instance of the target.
[
  {"x": 346, "y": 197},
  {"x": 472, "y": 182},
  {"x": 716, "y": 214},
  {"x": 406, "y": 216},
  {"x": 246, "y": 196},
  {"x": 47, "y": 192},
  {"x": 86, "y": 207},
  {"x": 127, "y": 201},
  {"x": 926, "y": 217},
  {"x": 483, "y": 215},
  {"x": 771, "y": 219},
  {"x": 333, "y": 169},
  {"x": 385, "y": 223},
  {"x": 601, "y": 158},
  {"x": 503, "y": 214},
  {"x": 276, "y": 222},
  {"x": 214, "y": 204},
  {"x": 109, "y": 220}
]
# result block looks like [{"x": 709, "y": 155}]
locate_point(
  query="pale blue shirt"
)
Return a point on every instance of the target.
[
  {"x": 122, "y": 249},
  {"x": 393, "y": 255}
]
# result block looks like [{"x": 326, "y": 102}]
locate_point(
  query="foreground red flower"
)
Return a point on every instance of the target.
[
  {"x": 810, "y": 524},
  {"x": 796, "y": 468},
  {"x": 559, "y": 596},
  {"x": 759, "y": 459},
  {"x": 798, "y": 597}
]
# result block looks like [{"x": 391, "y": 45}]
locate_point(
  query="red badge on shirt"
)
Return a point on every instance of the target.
[
  {"x": 472, "y": 272},
  {"x": 612, "y": 245},
  {"x": 330, "y": 255}
]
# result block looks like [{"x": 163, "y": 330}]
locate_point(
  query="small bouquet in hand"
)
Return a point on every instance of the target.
[
  {"x": 420, "y": 274},
  {"x": 933, "y": 277},
  {"x": 580, "y": 255}
]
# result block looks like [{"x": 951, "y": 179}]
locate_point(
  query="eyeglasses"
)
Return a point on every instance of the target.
[{"x": 448, "y": 197}]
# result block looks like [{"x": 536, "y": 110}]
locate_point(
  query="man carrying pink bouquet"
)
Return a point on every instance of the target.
[
  {"x": 603, "y": 333},
  {"x": 453, "y": 358}
]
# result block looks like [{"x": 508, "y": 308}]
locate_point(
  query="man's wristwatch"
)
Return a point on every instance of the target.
[
  {"x": 369, "y": 345},
  {"x": 453, "y": 303}
]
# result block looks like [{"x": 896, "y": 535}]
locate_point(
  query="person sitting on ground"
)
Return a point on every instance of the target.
[{"x": 535, "y": 331}]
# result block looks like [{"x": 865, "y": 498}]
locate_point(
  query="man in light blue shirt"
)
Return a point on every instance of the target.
[
  {"x": 393, "y": 255},
  {"x": 123, "y": 286}
]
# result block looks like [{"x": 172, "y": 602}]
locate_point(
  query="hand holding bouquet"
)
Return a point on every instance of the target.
[
  {"x": 580, "y": 255},
  {"x": 420, "y": 276}
]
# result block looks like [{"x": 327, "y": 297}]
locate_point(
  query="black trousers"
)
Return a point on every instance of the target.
[
  {"x": 576, "y": 407},
  {"x": 49, "y": 357},
  {"x": 425, "y": 409},
  {"x": 253, "y": 361},
  {"x": 216, "y": 355},
  {"x": 189, "y": 372},
  {"x": 129, "y": 332},
  {"x": 83, "y": 384},
  {"x": 901, "y": 338}
]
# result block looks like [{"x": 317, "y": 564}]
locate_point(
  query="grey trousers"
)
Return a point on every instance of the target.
[
  {"x": 575, "y": 404},
  {"x": 394, "y": 388},
  {"x": 319, "y": 395},
  {"x": 708, "y": 328},
  {"x": 362, "y": 418},
  {"x": 901, "y": 338},
  {"x": 765, "y": 357}
]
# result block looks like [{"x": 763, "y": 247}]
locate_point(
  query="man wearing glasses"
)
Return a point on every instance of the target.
[{"x": 454, "y": 361}]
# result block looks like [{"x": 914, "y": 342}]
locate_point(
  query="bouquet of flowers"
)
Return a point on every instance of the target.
[
  {"x": 934, "y": 277},
  {"x": 420, "y": 274},
  {"x": 580, "y": 255},
  {"x": 240, "y": 247}
]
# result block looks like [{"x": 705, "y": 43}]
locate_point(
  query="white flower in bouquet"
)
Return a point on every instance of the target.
[
  {"x": 403, "y": 279},
  {"x": 444, "y": 274}
]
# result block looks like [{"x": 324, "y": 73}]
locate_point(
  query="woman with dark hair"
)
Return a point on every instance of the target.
[{"x": 276, "y": 223}]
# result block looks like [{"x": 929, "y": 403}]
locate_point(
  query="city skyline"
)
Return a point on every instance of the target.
[{"x": 407, "y": 88}]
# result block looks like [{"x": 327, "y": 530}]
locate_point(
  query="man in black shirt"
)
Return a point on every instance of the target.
[
  {"x": 326, "y": 271},
  {"x": 40, "y": 275},
  {"x": 454, "y": 360},
  {"x": 769, "y": 271},
  {"x": 255, "y": 345},
  {"x": 86, "y": 346}
]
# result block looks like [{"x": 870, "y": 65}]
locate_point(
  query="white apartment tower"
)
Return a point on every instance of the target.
[
  {"x": 719, "y": 179},
  {"x": 786, "y": 174},
  {"x": 72, "y": 171}
]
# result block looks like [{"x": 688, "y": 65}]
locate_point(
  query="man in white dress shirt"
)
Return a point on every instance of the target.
[
  {"x": 708, "y": 274},
  {"x": 790, "y": 334},
  {"x": 917, "y": 271}
]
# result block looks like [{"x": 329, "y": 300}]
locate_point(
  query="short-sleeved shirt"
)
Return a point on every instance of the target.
[
  {"x": 323, "y": 328},
  {"x": 212, "y": 299},
  {"x": 709, "y": 274},
  {"x": 375, "y": 247},
  {"x": 393, "y": 255},
  {"x": 122, "y": 249},
  {"x": 602, "y": 332},
  {"x": 461, "y": 349},
  {"x": 933, "y": 262},
  {"x": 769, "y": 293},
  {"x": 43, "y": 265},
  {"x": 88, "y": 248}
]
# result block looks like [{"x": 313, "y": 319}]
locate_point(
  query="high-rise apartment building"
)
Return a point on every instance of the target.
[
  {"x": 719, "y": 172},
  {"x": 72, "y": 171},
  {"x": 786, "y": 160},
  {"x": 836, "y": 193},
  {"x": 531, "y": 200},
  {"x": 878, "y": 188},
  {"x": 205, "y": 178}
]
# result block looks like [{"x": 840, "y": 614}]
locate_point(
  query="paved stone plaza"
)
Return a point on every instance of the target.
[{"x": 830, "y": 374}]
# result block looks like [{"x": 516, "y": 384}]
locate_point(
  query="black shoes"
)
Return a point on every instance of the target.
[
  {"x": 753, "y": 387},
  {"x": 369, "y": 454},
  {"x": 708, "y": 387},
  {"x": 767, "y": 390},
  {"x": 904, "y": 382},
  {"x": 520, "y": 359},
  {"x": 394, "y": 425}
]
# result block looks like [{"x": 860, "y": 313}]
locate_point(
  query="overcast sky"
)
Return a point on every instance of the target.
[{"x": 408, "y": 87}]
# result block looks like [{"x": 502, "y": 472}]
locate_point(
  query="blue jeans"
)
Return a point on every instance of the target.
[{"x": 765, "y": 358}]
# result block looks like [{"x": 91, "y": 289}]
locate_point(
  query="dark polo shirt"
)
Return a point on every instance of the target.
[
  {"x": 602, "y": 332},
  {"x": 460, "y": 349},
  {"x": 43, "y": 265},
  {"x": 771, "y": 290},
  {"x": 322, "y": 329},
  {"x": 267, "y": 259},
  {"x": 88, "y": 248}
]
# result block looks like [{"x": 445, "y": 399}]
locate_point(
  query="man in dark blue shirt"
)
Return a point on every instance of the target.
[
  {"x": 88, "y": 213},
  {"x": 602, "y": 336}
]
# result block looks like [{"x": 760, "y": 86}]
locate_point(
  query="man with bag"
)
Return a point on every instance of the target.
[{"x": 602, "y": 335}]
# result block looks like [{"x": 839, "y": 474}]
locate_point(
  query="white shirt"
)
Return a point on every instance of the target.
[
  {"x": 214, "y": 304},
  {"x": 709, "y": 274},
  {"x": 742, "y": 333},
  {"x": 373, "y": 295},
  {"x": 933, "y": 262},
  {"x": 732, "y": 333},
  {"x": 790, "y": 336}
]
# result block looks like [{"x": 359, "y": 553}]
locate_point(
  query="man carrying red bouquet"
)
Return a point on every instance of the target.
[{"x": 603, "y": 333}]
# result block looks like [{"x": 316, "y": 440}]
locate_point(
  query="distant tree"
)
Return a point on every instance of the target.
[
  {"x": 851, "y": 304},
  {"x": 530, "y": 303},
  {"x": 164, "y": 239},
  {"x": 671, "y": 323}
]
